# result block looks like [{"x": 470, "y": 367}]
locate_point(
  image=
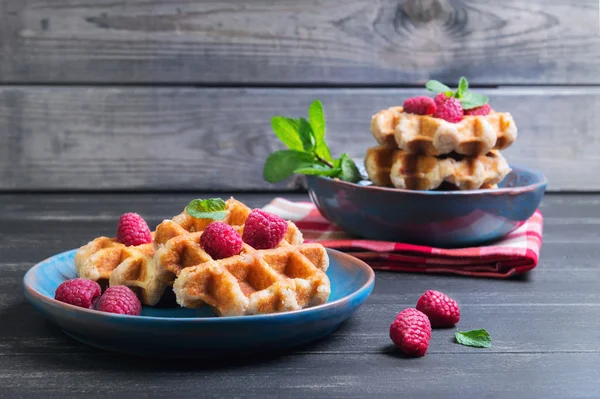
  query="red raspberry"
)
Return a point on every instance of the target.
[
  {"x": 420, "y": 105},
  {"x": 121, "y": 300},
  {"x": 79, "y": 292},
  {"x": 264, "y": 230},
  {"x": 442, "y": 310},
  {"x": 448, "y": 108},
  {"x": 133, "y": 230},
  {"x": 411, "y": 332},
  {"x": 220, "y": 240},
  {"x": 483, "y": 110}
]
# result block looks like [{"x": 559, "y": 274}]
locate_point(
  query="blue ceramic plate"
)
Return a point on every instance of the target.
[
  {"x": 435, "y": 218},
  {"x": 180, "y": 332}
]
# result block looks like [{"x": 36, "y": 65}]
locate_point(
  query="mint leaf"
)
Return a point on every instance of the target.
[
  {"x": 463, "y": 87},
  {"x": 320, "y": 170},
  {"x": 281, "y": 164},
  {"x": 287, "y": 129},
  {"x": 212, "y": 208},
  {"x": 476, "y": 338},
  {"x": 473, "y": 100},
  {"x": 437, "y": 87},
  {"x": 316, "y": 115},
  {"x": 350, "y": 171},
  {"x": 305, "y": 132}
]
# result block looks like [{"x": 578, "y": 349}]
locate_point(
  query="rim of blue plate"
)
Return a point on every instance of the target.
[
  {"x": 283, "y": 315},
  {"x": 543, "y": 181}
]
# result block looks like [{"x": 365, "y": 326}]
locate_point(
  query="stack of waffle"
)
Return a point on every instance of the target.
[
  {"x": 288, "y": 277},
  {"x": 420, "y": 152}
]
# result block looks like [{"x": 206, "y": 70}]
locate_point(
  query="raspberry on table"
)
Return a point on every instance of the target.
[
  {"x": 79, "y": 292},
  {"x": 220, "y": 240},
  {"x": 448, "y": 108},
  {"x": 133, "y": 230},
  {"x": 411, "y": 332},
  {"x": 121, "y": 300},
  {"x": 264, "y": 230},
  {"x": 442, "y": 310},
  {"x": 483, "y": 110},
  {"x": 420, "y": 105}
]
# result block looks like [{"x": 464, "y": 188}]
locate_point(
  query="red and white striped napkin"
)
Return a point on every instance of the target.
[{"x": 516, "y": 253}]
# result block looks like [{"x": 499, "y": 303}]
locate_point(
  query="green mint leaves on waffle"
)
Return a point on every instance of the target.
[
  {"x": 307, "y": 152},
  {"x": 476, "y": 338},
  {"x": 468, "y": 99},
  {"x": 212, "y": 208}
]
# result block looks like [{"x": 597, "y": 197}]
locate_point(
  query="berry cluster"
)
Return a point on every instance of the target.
[
  {"x": 411, "y": 330},
  {"x": 88, "y": 294},
  {"x": 262, "y": 230},
  {"x": 449, "y": 105}
]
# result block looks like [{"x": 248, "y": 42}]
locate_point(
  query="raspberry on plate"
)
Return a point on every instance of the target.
[
  {"x": 411, "y": 332},
  {"x": 483, "y": 110},
  {"x": 220, "y": 240},
  {"x": 448, "y": 108},
  {"x": 264, "y": 230},
  {"x": 133, "y": 230},
  {"x": 442, "y": 310},
  {"x": 121, "y": 300},
  {"x": 420, "y": 105},
  {"x": 79, "y": 292}
]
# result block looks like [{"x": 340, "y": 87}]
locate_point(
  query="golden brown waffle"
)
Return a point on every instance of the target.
[
  {"x": 394, "y": 167},
  {"x": 138, "y": 272},
  {"x": 149, "y": 269},
  {"x": 283, "y": 279},
  {"x": 178, "y": 240},
  {"x": 97, "y": 259},
  {"x": 426, "y": 135}
]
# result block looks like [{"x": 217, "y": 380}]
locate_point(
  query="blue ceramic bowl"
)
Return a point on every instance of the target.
[
  {"x": 436, "y": 218},
  {"x": 180, "y": 332}
]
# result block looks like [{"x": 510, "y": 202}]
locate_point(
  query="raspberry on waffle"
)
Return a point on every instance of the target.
[
  {"x": 178, "y": 240},
  {"x": 287, "y": 278},
  {"x": 426, "y": 135},
  {"x": 394, "y": 167}
]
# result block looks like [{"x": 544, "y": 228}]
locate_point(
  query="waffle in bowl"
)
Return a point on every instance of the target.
[
  {"x": 397, "y": 168},
  {"x": 426, "y": 135},
  {"x": 290, "y": 277}
]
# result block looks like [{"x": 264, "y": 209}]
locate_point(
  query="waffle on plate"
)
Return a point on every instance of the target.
[{"x": 288, "y": 277}]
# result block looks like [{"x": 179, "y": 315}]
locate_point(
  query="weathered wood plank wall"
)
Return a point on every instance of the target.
[
  {"x": 79, "y": 110},
  {"x": 186, "y": 138},
  {"x": 385, "y": 42}
]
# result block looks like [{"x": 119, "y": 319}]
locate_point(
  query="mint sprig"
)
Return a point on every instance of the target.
[
  {"x": 308, "y": 152},
  {"x": 468, "y": 99},
  {"x": 476, "y": 338},
  {"x": 211, "y": 208}
]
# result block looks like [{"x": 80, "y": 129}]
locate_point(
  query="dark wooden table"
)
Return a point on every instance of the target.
[{"x": 545, "y": 326}]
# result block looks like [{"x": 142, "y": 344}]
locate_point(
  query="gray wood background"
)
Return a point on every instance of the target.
[{"x": 159, "y": 95}]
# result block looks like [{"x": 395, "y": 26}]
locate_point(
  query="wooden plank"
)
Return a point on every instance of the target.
[
  {"x": 557, "y": 375},
  {"x": 217, "y": 139},
  {"x": 559, "y": 209},
  {"x": 300, "y": 42}
]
